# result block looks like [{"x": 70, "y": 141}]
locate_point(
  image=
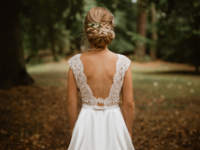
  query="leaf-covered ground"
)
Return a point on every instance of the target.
[{"x": 167, "y": 115}]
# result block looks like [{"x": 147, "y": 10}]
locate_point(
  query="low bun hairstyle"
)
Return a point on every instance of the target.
[{"x": 103, "y": 36}]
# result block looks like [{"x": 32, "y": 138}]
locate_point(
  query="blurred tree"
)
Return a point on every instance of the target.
[
  {"x": 125, "y": 16},
  {"x": 12, "y": 65},
  {"x": 178, "y": 31},
  {"x": 153, "y": 31},
  {"x": 141, "y": 28},
  {"x": 171, "y": 32},
  {"x": 50, "y": 25},
  {"x": 51, "y": 31}
]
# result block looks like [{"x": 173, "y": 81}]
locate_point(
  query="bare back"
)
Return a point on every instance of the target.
[
  {"x": 99, "y": 69},
  {"x": 99, "y": 76}
]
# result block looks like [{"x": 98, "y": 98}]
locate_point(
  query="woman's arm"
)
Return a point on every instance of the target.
[
  {"x": 128, "y": 101},
  {"x": 72, "y": 99}
]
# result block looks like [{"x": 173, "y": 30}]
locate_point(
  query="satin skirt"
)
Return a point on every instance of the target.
[{"x": 100, "y": 129}]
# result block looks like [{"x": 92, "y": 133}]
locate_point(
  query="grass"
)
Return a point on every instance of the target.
[{"x": 167, "y": 106}]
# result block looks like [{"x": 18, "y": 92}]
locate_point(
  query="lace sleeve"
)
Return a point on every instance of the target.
[
  {"x": 126, "y": 63},
  {"x": 70, "y": 61},
  {"x": 74, "y": 65}
]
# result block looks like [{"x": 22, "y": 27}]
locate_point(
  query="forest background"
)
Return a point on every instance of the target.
[
  {"x": 161, "y": 37},
  {"x": 145, "y": 30}
]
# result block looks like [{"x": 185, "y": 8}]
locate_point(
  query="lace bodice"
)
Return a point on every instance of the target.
[{"x": 86, "y": 93}]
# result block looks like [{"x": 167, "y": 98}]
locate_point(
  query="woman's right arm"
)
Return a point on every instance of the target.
[{"x": 128, "y": 106}]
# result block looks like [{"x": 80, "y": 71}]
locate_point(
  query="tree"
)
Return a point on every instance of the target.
[
  {"x": 141, "y": 28},
  {"x": 153, "y": 31},
  {"x": 12, "y": 65},
  {"x": 179, "y": 31},
  {"x": 52, "y": 25},
  {"x": 125, "y": 26}
]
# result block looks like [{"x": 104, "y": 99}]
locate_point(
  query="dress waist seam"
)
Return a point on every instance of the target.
[{"x": 100, "y": 107}]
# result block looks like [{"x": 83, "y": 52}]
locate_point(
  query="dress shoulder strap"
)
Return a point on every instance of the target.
[
  {"x": 123, "y": 64},
  {"x": 75, "y": 65}
]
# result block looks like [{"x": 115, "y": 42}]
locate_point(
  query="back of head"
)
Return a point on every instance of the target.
[{"x": 102, "y": 35}]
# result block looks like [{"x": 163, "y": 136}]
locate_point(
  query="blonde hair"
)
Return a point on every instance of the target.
[{"x": 99, "y": 37}]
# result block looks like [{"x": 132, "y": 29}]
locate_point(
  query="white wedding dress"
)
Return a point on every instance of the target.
[{"x": 100, "y": 127}]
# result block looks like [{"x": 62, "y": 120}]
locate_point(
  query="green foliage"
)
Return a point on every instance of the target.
[
  {"x": 179, "y": 30},
  {"x": 57, "y": 24},
  {"x": 125, "y": 16},
  {"x": 139, "y": 59},
  {"x": 121, "y": 45},
  {"x": 50, "y": 25}
]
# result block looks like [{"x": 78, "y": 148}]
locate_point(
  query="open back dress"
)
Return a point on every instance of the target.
[{"x": 100, "y": 127}]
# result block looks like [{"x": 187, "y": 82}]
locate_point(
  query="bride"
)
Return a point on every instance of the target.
[{"x": 102, "y": 77}]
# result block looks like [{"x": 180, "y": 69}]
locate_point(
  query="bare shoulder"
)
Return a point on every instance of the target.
[
  {"x": 112, "y": 53},
  {"x": 122, "y": 56},
  {"x": 104, "y": 54}
]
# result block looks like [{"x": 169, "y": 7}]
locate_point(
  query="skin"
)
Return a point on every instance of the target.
[
  {"x": 72, "y": 99},
  {"x": 128, "y": 106},
  {"x": 127, "y": 98}
]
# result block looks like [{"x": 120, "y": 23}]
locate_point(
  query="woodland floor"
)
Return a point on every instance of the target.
[{"x": 167, "y": 102}]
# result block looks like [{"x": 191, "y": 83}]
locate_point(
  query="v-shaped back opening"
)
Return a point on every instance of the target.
[{"x": 112, "y": 79}]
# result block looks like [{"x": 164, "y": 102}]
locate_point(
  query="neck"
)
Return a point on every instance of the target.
[{"x": 98, "y": 51}]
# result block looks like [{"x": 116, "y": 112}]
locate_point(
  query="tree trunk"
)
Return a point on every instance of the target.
[
  {"x": 196, "y": 40},
  {"x": 153, "y": 31},
  {"x": 52, "y": 42},
  {"x": 60, "y": 50},
  {"x": 12, "y": 64},
  {"x": 141, "y": 29},
  {"x": 197, "y": 54},
  {"x": 197, "y": 63},
  {"x": 51, "y": 34}
]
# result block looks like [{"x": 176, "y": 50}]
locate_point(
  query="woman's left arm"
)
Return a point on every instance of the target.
[{"x": 72, "y": 99}]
